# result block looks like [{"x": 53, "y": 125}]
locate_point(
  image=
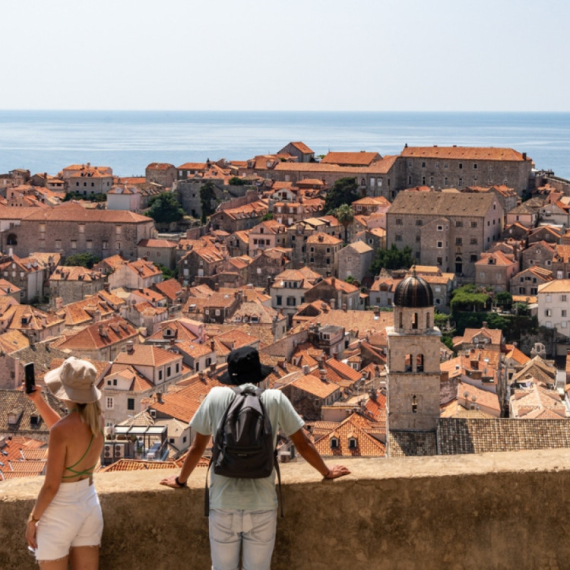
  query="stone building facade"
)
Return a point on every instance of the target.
[
  {"x": 459, "y": 167},
  {"x": 539, "y": 254},
  {"x": 354, "y": 260},
  {"x": 88, "y": 180},
  {"x": 266, "y": 266},
  {"x": 298, "y": 235},
  {"x": 299, "y": 150},
  {"x": 446, "y": 230},
  {"x": 71, "y": 229},
  {"x": 322, "y": 254},
  {"x": 72, "y": 284},
  {"x": 161, "y": 173},
  {"x": 527, "y": 281}
]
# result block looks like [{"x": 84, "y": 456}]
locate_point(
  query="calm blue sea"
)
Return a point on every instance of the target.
[{"x": 46, "y": 141}]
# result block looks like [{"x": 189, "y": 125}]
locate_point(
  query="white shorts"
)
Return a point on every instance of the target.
[{"x": 73, "y": 518}]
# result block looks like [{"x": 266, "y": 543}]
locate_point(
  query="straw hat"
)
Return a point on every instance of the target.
[{"x": 74, "y": 380}]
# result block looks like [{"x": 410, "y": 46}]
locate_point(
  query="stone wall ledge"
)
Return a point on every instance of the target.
[{"x": 495, "y": 510}]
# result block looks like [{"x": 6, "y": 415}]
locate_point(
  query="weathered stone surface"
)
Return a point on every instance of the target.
[{"x": 489, "y": 511}]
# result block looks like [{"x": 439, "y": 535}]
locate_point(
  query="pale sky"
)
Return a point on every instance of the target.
[{"x": 357, "y": 55}]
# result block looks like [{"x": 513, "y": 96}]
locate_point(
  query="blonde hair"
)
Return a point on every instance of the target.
[{"x": 90, "y": 415}]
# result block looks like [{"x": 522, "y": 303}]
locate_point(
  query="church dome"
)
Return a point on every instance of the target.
[{"x": 413, "y": 292}]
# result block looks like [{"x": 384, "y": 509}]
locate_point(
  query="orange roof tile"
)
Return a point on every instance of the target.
[
  {"x": 313, "y": 385},
  {"x": 463, "y": 152},
  {"x": 145, "y": 355}
]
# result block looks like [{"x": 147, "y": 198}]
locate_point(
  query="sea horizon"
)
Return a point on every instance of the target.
[{"x": 127, "y": 141}]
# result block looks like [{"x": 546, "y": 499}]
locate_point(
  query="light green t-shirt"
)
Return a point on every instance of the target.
[{"x": 245, "y": 494}]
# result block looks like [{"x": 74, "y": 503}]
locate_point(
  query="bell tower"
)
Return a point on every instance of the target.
[{"x": 413, "y": 388}]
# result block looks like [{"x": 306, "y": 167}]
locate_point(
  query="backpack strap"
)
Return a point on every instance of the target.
[
  {"x": 276, "y": 462},
  {"x": 207, "y": 492},
  {"x": 258, "y": 393}
]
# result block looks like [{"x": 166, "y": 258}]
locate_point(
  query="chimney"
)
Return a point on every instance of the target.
[
  {"x": 376, "y": 310},
  {"x": 524, "y": 155},
  {"x": 332, "y": 303},
  {"x": 159, "y": 397},
  {"x": 306, "y": 369},
  {"x": 213, "y": 345},
  {"x": 97, "y": 316},
  {"x": 484, "y": 324},
  {"x": 323, "y": 374},
  {"x": 130, "y": 347},
  {"x": 100, "y": 329}
]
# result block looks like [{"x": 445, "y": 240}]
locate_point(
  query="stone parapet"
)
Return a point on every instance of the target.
[{"x": 488, "y": 511}]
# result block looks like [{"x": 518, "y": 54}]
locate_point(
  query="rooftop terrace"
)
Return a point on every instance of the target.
[{"x": 487, "y": 511}]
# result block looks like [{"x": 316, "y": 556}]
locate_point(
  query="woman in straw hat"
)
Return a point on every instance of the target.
[{"x": 66, "y": 523}]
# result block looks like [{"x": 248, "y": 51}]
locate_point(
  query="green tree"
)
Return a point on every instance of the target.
[
  {"x": 344, "y": 191},
  {"x": 165, "y": 208},
  {"x": 469, "y": 299},
  {"x": 392, "y": 258},
  {"x": 81, "y": 259},
  {"x": 78, "y": 196},
  {"x": 207, "y": 196},
  {"x": 345, "y": 215},
  {"x": 168, "y": 273},
  {"x": 504, "y": 300},
  {"x": 267, "y": 217},
  {"x": 236, "y": 181}
]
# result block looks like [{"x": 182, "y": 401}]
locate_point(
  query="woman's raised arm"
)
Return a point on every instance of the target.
[{"x": 49, "y": 415}]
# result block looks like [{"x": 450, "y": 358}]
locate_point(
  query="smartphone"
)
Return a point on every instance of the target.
[{"x": 30, "y": 377}]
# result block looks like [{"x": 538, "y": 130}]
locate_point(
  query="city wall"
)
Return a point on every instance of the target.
[{"x": 492, "y": 511}]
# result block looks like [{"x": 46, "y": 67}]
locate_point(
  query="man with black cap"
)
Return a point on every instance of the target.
[{"x": 243, "y": 512}]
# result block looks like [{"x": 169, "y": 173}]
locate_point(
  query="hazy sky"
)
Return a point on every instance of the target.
[{"x": 300, "y": 54}]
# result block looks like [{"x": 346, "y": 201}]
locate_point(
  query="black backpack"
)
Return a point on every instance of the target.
[{"x": 243, "y": 443}]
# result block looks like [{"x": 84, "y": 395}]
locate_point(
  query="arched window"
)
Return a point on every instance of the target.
[
  {"x": 428, "y": 325},
  {"x": 420, "y": 363},
  {"x": 414, "y": 404},
  {"x": 401, "y": 320},
  {"x": 414, "y": 320},
  {"x": 408, "y": 363}
]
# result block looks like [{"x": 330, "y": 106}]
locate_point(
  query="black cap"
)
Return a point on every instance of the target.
[{"x": 244, "y": 366}]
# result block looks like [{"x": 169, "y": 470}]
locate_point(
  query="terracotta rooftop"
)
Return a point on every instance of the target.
[
  {"x": 464, "y": 152},
  {"x": 158, "y": 243},
  {"x": 442, "y": 204},
  {"x": 315, "y": 386},
  {"x": 146, "y": 355},
  {"x": 99, "y": 335},
  {"x": 458, "y": 436},
  {"x": 555, "y": 286},
  {"x": 302, "y": 147},
  {"x": 362, "y": 158},
  {"x": 170, "y": 288},
  {"x": 70, "y": 212},
  {"x": 351, "y": 429}
]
